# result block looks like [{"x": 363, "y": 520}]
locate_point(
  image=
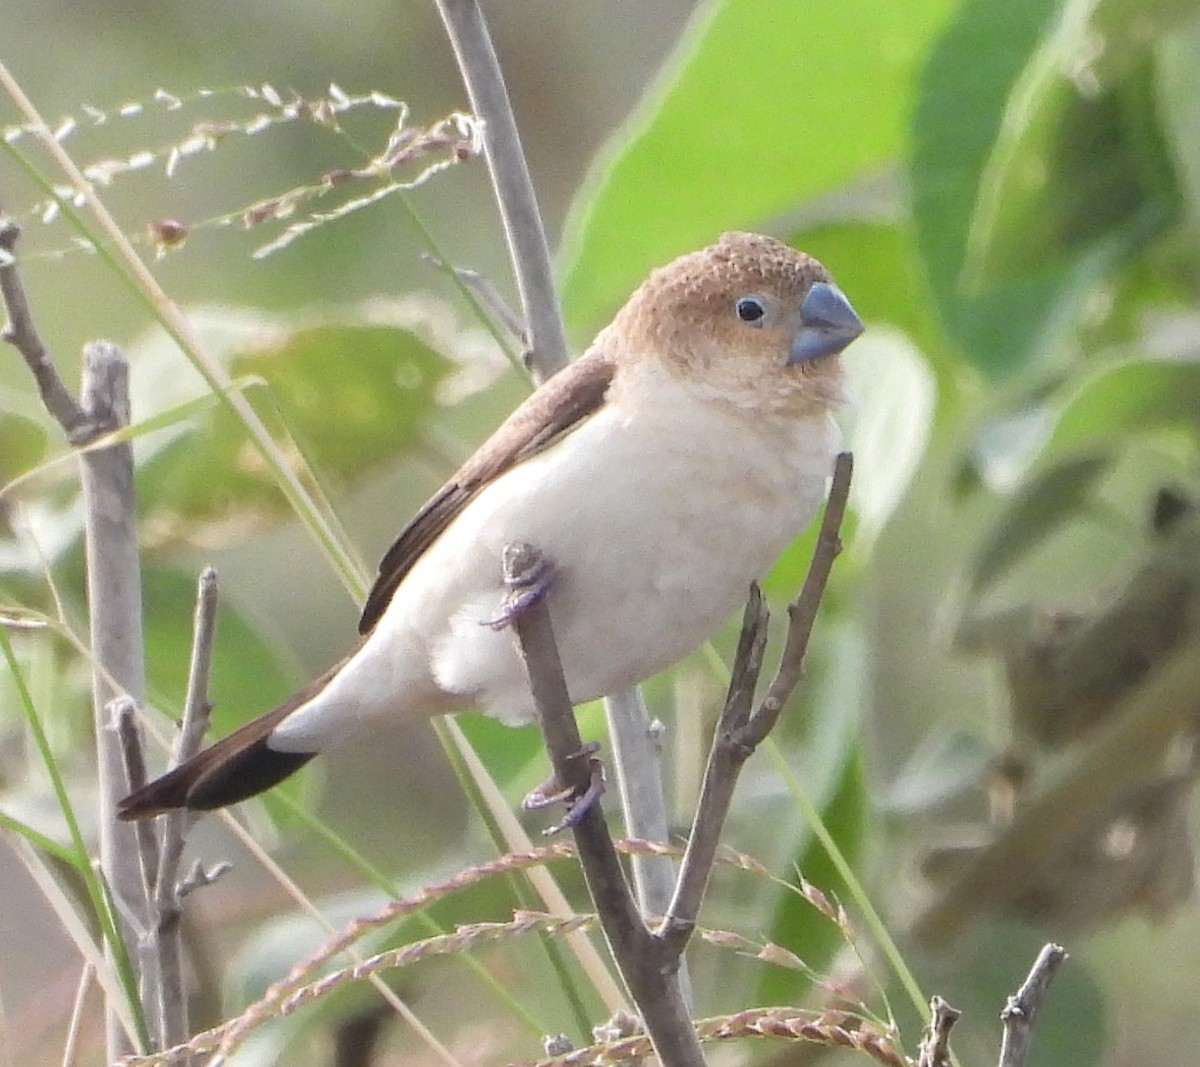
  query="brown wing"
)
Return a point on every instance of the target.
[{"x": 560, "y": 405}]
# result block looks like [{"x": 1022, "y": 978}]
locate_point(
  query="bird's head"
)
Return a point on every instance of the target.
[{"x": 748, "y": 318}]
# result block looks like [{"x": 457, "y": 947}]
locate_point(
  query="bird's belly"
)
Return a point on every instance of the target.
[{"x": 644, "y": 568}]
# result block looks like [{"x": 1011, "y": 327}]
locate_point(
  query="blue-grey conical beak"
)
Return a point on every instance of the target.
[{"x": 828, "y": 324}]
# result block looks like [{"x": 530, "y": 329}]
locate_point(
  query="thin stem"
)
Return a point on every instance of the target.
[
  {"x": 637, "y": 760},
  {"x": 21, "y": 332},
  {"x": 167, "y": 934},
  {"x": 1020, "y": 1013},
  {"x": 76, "y": 1021},
  {"x": 519, "y": 212},
  {"x": 649, "y": 971},
  {"x": 743, "y": 727}
]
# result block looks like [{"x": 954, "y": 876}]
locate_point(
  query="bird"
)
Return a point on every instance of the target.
[{"x": 660, "y": 474}]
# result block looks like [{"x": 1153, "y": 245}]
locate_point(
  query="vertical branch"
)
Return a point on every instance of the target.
[
  {"x": 114, "y": 588},
  {"x": 635, "y": 751},
  {"x": 638, "y": 763},
  {"x": 166, "y": 932},
  {"x": 115, "y": 609},
  {"x": 650, "y": 971},
  {"x": 509, "y": 172}
]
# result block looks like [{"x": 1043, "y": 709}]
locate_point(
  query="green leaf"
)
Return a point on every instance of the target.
[
  {"x": 893, "y": 396},
  {"x": 1079, "y": 161},
  {"x": 795, "y": 924},
  {"x": 1179, "y": 104},
  {"x": 1045, "y": 502},
  {"x": 23, "y": 445},
  {"x": 1131, "y": 398},
  {"x": 764, "y": 104},
  {"x": 1083, "y": 173},
  {"x": 963, "y": 92},
  {"x": 1029, "y": 186},
  {"x": 350, "y": 394}
]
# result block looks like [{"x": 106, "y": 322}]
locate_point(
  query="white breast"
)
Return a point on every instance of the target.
[{"x": 656, "y": 513}]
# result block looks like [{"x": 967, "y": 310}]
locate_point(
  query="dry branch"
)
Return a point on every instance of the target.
[
  {"x": 649, "y": 971},
  {"x": 1020, "y": 1012},
  {"x": 742, "y": 727},
  {"x": 22, "y": 334}
]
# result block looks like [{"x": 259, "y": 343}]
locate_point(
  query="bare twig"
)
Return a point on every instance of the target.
[
  {"x": 523, "y": 227},
  {"x": 802, "y": 613},
  {"x": 122, "y": 717},
  {"x": 198, "y": 876},
  {"x": 490, "y": 298},
  {"x": 166, "y": 934},
  {"x": 637, "y": 762},
  {"x": 115, "y": 613},
  {"x": 1020, "y": 1013},
  {"x": 935, "y": 1044},
  {"x": 22, "y": 334},
  {"x": 741, "y": 729},
  {"x": 650, "y": 973}
]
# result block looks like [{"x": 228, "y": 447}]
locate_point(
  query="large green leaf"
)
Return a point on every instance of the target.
[
  {"x": 1179, "y": 104},
  {"x": 1054, "y": 496},
  {"x": 1079, "y": 161},
  {"x": 765, "y": 103},
  {"x": 964, "y": 89},
  {"x": 1133, "y": 397},
  {"x": 350, "y": 395},
  {"x": 1032, "y": 174}
]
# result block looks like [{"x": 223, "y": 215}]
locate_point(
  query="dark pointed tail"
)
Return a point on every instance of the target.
[{"x": 235, "y": 768}]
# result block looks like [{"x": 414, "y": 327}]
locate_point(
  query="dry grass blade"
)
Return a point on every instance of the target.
[
  {"x": 465, "y": 938},
  {"x": 831, "y": 1029}
]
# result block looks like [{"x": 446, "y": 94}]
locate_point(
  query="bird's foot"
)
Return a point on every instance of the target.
[
  {"x": 578, "y": 803},
  {"x": 532, "y": 577}
]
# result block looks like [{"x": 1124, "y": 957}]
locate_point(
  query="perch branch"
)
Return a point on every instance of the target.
[
  {"x": 742, "y": 727},
  {"x": 1021, "y": 1011},
  {"x": 649, "y": 972}
]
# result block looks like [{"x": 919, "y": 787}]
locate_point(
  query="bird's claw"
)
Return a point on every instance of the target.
[
  {"x": 530, "y": 583},
  {"x": 578, "y": 804}
]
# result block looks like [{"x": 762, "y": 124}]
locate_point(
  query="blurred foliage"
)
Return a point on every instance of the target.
[{"x": 1010, "y": 194}]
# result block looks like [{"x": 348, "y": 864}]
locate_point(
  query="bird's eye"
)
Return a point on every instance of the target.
[{"x": 750, "y": 309}]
